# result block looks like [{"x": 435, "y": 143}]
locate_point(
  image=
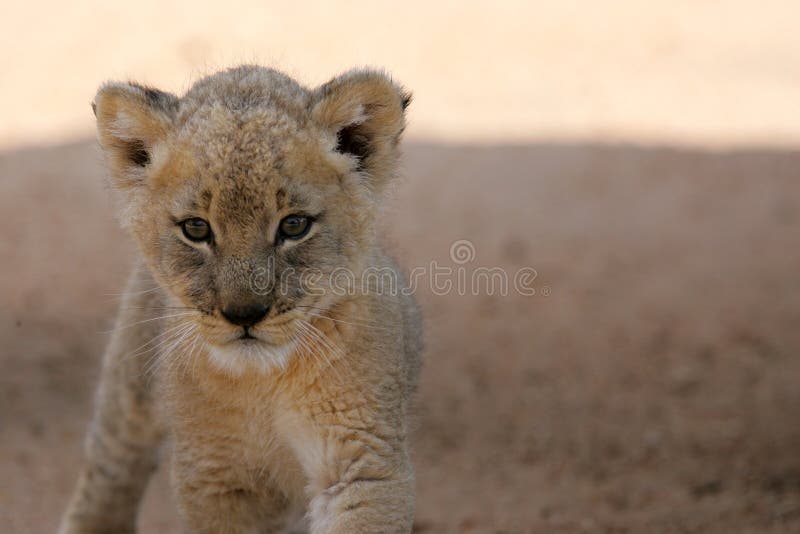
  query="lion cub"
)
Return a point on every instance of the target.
[{"x": 254, "y": 333}]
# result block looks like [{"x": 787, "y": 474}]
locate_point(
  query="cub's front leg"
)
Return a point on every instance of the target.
[
  {"x": 357, "y": 463},
  {"x": 376, "y": 496},
  {"x": 122, "y": 444}
]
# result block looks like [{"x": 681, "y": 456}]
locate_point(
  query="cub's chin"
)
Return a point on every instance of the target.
[{"x": 239, "y": 355}]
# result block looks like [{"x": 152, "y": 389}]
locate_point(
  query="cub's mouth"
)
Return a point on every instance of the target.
[
  {"x": 266, "y": 345},
  {"x": 267, "y": 335},
  {"x": 247, "y": 335},
  {"x": 248, "y": 349}
]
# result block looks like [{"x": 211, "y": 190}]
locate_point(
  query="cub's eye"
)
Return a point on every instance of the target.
[
  {"x": 196, "y": 229},
  {"x": 294, "y": 227}
]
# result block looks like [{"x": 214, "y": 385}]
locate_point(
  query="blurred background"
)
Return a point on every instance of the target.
[{"x": 640, "y": 156}]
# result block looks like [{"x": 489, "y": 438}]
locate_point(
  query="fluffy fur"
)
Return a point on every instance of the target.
[{"x": 308, "y": 418}]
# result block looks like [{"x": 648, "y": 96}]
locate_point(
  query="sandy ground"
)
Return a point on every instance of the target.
[{"x": 649, "y": 386}]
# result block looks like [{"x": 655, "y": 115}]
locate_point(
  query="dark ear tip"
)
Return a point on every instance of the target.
[
  {"x": 406, "y": 99},
  {"x": 94, "y": 109}
]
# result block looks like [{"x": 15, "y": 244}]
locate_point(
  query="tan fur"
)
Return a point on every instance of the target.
[{"x": 310, "y": 419}]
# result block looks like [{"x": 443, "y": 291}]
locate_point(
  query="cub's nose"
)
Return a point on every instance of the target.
[{"x": 246, "y": 315}]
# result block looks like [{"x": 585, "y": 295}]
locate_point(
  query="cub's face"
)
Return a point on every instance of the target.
[{"x": 249, "y": 197}]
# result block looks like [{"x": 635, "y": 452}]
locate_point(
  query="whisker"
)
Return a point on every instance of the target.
[
  {"x": 158, "y": 351},
  {"x": 306, "y": 341},
  {"x": 137, "y": 351},
  {"x": 158, "y": 308},
  {"x": 170, "y": 351},
  {"x": 325, "y": 340},
  {"x": 314, "y": 334},
  {"x": 360, "y": 324},
  {"x": 296, "y": 337},
  {"x": 132, "y": 293},
  {"x": 117, "y": 296},
  {"x": 118, "y": 328},
  {"x": 194, "y": 343},
  {"x": 326, "y": 311},
  {"x": 166, "y": 344}
]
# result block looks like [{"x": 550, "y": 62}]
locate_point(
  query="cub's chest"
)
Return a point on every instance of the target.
[
  {"x": 240, "y": 411},
  {"x": 237, "y": 426}
]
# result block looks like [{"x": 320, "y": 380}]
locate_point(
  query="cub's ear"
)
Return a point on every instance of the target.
[
  {"x": 365, "y": 110},
  {"x": 131, "y": 121}
]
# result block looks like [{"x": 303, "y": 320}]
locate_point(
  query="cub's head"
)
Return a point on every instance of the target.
[{"x": 249, "y": 193}]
